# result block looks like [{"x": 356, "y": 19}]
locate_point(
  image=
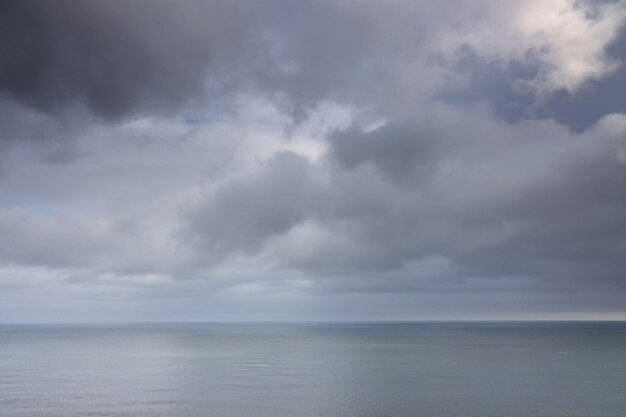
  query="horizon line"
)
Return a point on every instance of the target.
[{"x": 190, "y": 322}]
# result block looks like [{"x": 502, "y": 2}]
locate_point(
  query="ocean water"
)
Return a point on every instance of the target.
[{"x": 306, "y": 370}]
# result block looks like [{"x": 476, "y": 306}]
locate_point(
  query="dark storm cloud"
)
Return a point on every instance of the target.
[
  {"x": 121, "y": 59},
  {"x": 113, "y": 57}
]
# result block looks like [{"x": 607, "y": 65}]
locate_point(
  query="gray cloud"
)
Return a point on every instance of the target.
[
  {"x": 117, "y": 61},
  {"x": 454, "y": 196},
  {"x": 600, "y": 97},
  {"x": 269, "y": 153},
  {"x": 115, "y": 58},
  {"x": 139, "y": 57},
  {"x": 264, "y": 205}
]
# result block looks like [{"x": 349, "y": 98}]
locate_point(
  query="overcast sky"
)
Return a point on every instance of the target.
[{"x": 312, "y": 160}]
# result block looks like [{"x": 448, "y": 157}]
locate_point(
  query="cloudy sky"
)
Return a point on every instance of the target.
[{"x": 312, "y": 160}]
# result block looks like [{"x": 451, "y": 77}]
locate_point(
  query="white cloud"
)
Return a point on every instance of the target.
[{"x": 567, "y": 38}]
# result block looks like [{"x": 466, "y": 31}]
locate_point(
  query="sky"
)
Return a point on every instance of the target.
[{"x": 312, "y": 160}]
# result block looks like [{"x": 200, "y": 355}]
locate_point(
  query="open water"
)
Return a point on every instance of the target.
[{"x": 314, "y": 369}]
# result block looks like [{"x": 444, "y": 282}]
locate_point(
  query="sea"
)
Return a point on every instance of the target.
[{"x": 473, "y": 369}]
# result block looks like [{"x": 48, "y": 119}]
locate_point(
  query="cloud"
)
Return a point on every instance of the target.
[
  {"x": 115, "y": 59},
  {"x": 67, "y": 60},
  {"x": 118, "y": 61},
  {"x": 266, "y": 204},
  {"x": 454, "y": 196},
  {"x": 565, "y": 39},
  {"x": 362, "y": 151}
]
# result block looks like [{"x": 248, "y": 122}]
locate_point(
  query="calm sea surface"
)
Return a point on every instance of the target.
[{"x": 302, "y": 370}]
